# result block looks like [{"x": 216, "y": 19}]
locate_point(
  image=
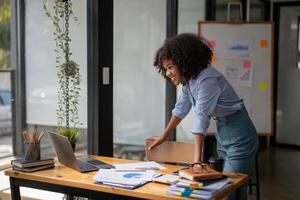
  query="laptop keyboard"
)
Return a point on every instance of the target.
[{"x": 85, "y": 166}]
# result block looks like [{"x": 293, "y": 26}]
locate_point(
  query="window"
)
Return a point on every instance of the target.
[
  {"x": 138, "y": 90},
  {"x": 41, "y": 71},
  {"x": 189, "y": 13},
  {"x": 5, "y": 82}
]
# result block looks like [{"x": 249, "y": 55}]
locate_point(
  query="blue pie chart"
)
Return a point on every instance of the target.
[{"x": 132, "y": 175}]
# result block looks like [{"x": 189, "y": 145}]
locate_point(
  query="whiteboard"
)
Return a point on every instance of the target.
[{"x": 243, "y": 53}]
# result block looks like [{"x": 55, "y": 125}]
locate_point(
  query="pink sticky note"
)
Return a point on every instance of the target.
[
  {"x": 212, "y": 43},
  {"x": 247, "y": 63}
]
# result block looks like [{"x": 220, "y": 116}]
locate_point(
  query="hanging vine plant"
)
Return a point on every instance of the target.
[{"x": 68, "y": 72}]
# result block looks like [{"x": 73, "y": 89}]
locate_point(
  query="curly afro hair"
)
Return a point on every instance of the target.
[{"x": 189, "y": 52}]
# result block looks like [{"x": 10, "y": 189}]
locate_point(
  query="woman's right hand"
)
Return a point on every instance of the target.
[{"x": 156, "y": 140}]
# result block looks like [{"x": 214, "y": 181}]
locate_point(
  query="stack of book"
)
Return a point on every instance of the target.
[
  {"x": 193, "y": 189},
  {"x": 24, "y": 165}
]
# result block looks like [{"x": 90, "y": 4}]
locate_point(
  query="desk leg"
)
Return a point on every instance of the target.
[
  {"x": 14, "y": 189},
  {"x": 238, "y": 193},
  {"x": 70, "y": 197},
  {"x": 241, "y": 192}
]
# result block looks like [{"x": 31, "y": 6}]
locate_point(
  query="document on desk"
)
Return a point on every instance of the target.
[
  {"x": 124, "y": 179},
  {"x": 149, "y": 165}
]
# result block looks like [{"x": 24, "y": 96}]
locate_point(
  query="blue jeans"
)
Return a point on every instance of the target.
[{"x": 237, "y": 143}]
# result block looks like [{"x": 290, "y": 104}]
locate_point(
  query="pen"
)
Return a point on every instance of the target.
[
  {"x": 177, "y": 171},
  {"x": 130, "y": 170},
  {"x": 147, "y": 168}
]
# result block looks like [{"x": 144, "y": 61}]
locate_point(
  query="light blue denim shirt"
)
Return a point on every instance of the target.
[{"x": 211, "y": 94}]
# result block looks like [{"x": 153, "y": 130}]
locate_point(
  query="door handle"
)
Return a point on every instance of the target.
[{"x": 105, "y": 75}]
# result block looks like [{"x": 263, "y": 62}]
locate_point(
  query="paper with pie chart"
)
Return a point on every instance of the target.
[{"x": 125, "y": 178}]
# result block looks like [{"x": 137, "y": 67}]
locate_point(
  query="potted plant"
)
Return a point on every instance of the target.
[
  {"x": 68, "y": 72},
  {"x": 71, "y": 134}
]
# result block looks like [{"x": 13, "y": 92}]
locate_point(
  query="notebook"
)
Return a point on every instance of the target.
[
  {"x": 207, "y": 174},
  {"x": 33, "y": 169},
  {"x": 22, "y": 162},
  {"x": 206, "y": 190}
]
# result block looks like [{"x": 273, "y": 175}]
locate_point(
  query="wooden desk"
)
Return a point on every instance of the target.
[{"x": 68, "y": 181}]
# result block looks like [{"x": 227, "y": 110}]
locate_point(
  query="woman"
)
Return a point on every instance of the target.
[{"x": 185, "y": 59}]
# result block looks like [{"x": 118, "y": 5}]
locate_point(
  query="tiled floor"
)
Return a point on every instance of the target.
[
  {"x": 280, "y": 173},
  {"x": 279, "y": 170}
]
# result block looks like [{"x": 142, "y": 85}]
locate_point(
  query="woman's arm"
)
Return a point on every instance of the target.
[
  {"x": 182, "y": 108},
  {"x": 157, "y": 140},
  {"x": 198, "y": 147}
]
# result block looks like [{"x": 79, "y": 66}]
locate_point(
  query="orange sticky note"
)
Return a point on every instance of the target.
[
  {"x": 214, "y": 57},
  {"x": 264, "y": 43}
]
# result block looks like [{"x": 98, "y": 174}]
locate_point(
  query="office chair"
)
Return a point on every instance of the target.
[
  {"x": 171, "y": 152},
  {"x": 256, "y": 177}
]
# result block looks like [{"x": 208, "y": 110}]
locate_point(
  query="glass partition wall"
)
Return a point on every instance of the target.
[
  {"x": 41, "y": 72},
  {"x": 189, "y": 13},
  {"x": 138, "y": 90},
  {"x": 5, "y": 113},
  {"x": 5, "y": 82}
]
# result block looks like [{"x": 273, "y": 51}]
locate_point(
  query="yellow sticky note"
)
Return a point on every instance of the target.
[
  {"x": 263, "y": 86},
  {"x": 214, "y": 57},
  {"x": 264, "y": 43}
]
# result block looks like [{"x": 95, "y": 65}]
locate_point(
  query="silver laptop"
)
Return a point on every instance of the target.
[{"x": 66, "y": 156}]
